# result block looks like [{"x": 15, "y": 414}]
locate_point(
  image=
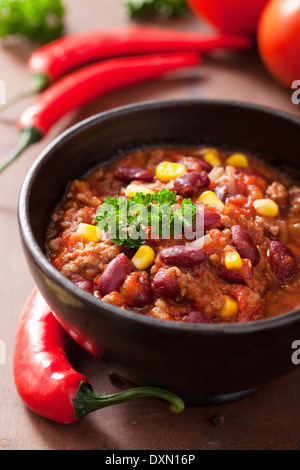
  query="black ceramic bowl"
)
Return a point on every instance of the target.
[{"x": 203, "y": 363}]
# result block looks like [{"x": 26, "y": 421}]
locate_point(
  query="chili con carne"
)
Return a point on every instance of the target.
[{"x": 237, "y": 261}]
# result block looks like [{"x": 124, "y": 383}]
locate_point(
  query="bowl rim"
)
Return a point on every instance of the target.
[{"x": 54, "y": 275}]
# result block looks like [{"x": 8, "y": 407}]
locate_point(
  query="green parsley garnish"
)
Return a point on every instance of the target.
[
  {"x": 41, "y": 21},
  {"x": 128, "y": 220},
  {"x": 148, "y": 8}
]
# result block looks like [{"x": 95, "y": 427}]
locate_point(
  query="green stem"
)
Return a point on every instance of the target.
[
  {"x": 17, "y": 97},
  {"x": 86, "y": 400},
  {"x": 39, "y": 82},
  {"x": 29, "y": 135}
]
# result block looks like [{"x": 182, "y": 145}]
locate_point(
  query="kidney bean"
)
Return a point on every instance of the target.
[
  {"x": 129, "y": 173},
  {"x": 114, "y": 274},
  {"x": 244, "y": 244},
  {"x": 294, "y": 198},
  {"x": 205, "y": 220},
  {"x": 210, "y": 219},
  {"x": 197, "y": 317},
  {"x": 165, "y": 283},
  {"x": 189, "y": 184},
  {"x": 204, "y": 165},
  {"x": 281, "y": 261},
  {"x": 182, "y": 255},
  {"x": 230, "y": 276},
  {"x": 84, "y": 283},
  {"x": 136, "y": 290}
]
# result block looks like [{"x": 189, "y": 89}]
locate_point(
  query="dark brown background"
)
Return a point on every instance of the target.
[{"x": 268, "y": 419}]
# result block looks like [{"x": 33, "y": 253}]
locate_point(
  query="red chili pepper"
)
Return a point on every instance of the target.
[
  {"x": 88, "y": 84},
  {"x": 45, "y": 379},
  {"x": 56, "y": 59}
]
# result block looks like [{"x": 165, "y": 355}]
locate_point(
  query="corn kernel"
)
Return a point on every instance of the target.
[
  {"x": 90, "y": 233},
  {"x": 167, "y": 171},
  {"x": 233, "y": 260},
  {"x": 229, "y": 308},
  {"x": 212, "y": 157},
  {"x": 238, "y": 160},
  {"x": 132, "y": 189},
  {"x": 144, "y": 257},
  {"x": 266, "y": 207},
  {"x": 211, "y": 199}
]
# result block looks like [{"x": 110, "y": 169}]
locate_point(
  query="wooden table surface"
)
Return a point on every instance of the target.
[{"x": 268, "y": 419}]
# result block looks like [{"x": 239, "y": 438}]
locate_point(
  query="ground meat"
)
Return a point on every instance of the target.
[
  {"x": 74, "y": 216},
  {"x": 89, "y": 261},
  {"x": 294, "y": 200},
  {"x": 278, "y": 193},
  {"x": 276, "y": 228},
  {"x": 114, "y": 298},
  {"x": 167, "y": 310}
]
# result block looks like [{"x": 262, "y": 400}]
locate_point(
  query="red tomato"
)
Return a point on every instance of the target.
[
  {"x": 279, "y": 39},
  {"x": 230, "y": 16}
]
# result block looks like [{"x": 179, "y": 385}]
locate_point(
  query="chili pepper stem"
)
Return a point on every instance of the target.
[
  {"x": 86, "y": 400},
  {"x": 39, "y": 81},
  {"x": 29, "y": 135},
  {"x": 17, "y": 97}
]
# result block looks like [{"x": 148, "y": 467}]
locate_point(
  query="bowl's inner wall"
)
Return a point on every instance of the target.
[{"x": 180, "y": 123}]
